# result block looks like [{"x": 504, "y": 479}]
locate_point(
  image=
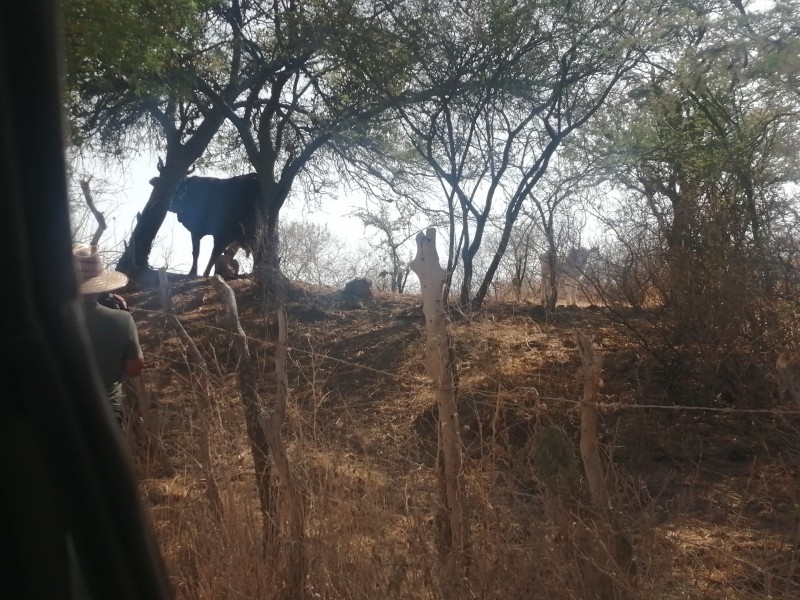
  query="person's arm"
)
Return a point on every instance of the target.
[
  {"x": 133, "y": 361},
  {"x": 132, "y": 367}
]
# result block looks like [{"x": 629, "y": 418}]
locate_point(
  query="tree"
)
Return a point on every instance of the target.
[
  {"x": 516, "y": 265},
  {"x": 706, "y": 149},
  {"x": 702, "y": 141},
  {"x": 394, "y": 230},
  {"x": 517, "y": 79},
  {"x": 310, "y": 252},
  {"x": 318, "y": 96},
  {"x": 134, "y": 72},
  {"x": 553, "y": 208}
]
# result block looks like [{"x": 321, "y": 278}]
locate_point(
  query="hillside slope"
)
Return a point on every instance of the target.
[{"x": 709, "y": 496}]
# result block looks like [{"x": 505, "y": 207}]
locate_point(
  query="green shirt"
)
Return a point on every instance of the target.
[{"x": 114, "y": 340}]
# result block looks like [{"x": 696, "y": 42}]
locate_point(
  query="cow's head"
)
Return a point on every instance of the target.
[
  {"x": 175, "y": 203},
  {"x": 160, "y": 166}
]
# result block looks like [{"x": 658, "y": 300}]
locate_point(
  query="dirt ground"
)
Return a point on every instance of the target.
[{"x": 710, "y": 493}]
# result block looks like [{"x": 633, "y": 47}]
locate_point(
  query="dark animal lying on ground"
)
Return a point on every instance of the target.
[
  {"x": 360, "y": 287},
  {"x": 226, "y": 209}
]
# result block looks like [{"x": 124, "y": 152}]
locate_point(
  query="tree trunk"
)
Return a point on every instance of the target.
[
  {"x": 135, "y": 259},
  {"x": 266, "y": 254},
  {"x": 466, "y": 282},
  {"x": 595, "y": 477},
  {"x": 99, "y": 217}
]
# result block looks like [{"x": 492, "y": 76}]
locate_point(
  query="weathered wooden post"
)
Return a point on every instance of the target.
[
  {"x": 204, "y": 394},
  {"x": 264, "y": 431},
  {"x": 590, "y": 453},
  {"x": 439, "y": 361},
  {"x": 619, "y": 549},
  {"x": 291, "y": 506},
  {"x": 248, "y": 388}
]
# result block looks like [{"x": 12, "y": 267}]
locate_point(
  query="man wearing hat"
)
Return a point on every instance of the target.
[{"x": 112, "y": 332}]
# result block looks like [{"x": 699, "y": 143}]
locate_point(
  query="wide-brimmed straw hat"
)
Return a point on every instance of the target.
[{"x": 93, "y": 277}]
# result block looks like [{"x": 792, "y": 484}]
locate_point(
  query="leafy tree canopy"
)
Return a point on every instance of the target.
[{"x": 120, "y": 55}]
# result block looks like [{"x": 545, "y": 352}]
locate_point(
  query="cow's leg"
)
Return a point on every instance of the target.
[
  {"x": 195, "y": 253},
  {"x": 573, "y": 293},
  {"x": 219, "y": 248}
]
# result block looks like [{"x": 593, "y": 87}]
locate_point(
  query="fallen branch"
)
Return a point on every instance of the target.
[{"x": 99, "y": 217}]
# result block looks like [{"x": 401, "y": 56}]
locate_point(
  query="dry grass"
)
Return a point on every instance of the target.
[{"x": 710, "y": 500}]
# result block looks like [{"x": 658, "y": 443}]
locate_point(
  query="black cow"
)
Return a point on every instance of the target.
[{"x": 224, "y": 208}]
